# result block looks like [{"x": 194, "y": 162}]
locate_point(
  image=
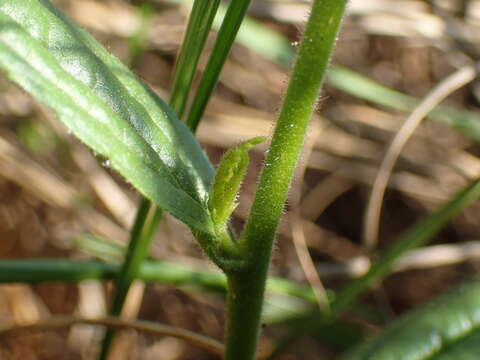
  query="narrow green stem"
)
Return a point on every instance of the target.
[
  {"x": 157, "y": 271},
  {"x": 199, "y": 25},
  {"x": 226, "y": 35},
  {"x": 135, "y": 255},
  {"x": 127, "y": 273},
  {"x": 245, "y": 296},
  {"x": 247, "y": 288},
  {"x": 146, "y": 222}
]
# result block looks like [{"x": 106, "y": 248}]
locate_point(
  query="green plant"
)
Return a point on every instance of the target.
[
  {"x": 445, "y": 328},
  {"x": 122, "y": 119}
]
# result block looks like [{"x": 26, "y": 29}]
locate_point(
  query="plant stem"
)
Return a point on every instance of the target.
[
  {"x": 226, "y": 35},
  {"x": 199, "y": 25},
  {"x": 148, "y": 224},
  {"x": 146, "y": 221},
  {"x": 244, "y": 305},
  {"x": 246, "y": 288},
  {"x": 151, "y": 271}
]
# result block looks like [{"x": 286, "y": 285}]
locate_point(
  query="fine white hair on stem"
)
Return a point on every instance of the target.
[{"x": 374, "y": 206}]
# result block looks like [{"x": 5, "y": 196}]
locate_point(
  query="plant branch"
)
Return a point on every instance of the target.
[{"x": 246, "y": 288}]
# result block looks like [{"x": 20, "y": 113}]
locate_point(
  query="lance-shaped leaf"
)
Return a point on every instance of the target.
[
  {"x": 106, "y": 106},
  {"x": 229, "y": 177},
  {"x": 446, "y": 328}
]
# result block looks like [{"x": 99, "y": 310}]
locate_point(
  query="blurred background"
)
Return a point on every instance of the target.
[{"x": 58, "y": 199}]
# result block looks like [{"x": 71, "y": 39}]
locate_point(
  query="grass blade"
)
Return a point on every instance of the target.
[
  {"x": 146, "y": 222},
  {"x": 416, "y": 236},
  {"x": 199, "y": 25},
  {"x": 161, "y": 272},
  {"x": 225, "y": 38},
  {"x": 467, "y": 122}
]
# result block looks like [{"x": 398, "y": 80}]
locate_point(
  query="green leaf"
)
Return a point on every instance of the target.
[
  {"x": 467, "y": 348},
  {"x": 107, "y": 107},
  {"x": 447, "y": 328},
  {"x": 228, "y": 179}
]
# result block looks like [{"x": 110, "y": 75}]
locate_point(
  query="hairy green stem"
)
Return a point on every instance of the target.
[
  {"x": 199, "y": 25},
  {"x": 226, "y": 35},
  {"x": 246, "y": 288}
]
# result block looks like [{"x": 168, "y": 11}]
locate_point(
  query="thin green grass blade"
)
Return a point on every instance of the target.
[
  {"x": 161, "y": 272},
  {"x": 467, "y": 122},
  {"x": 416, "y": 236},
  {"x": 34, "y": 271},
  {"x": 106, "y": 106},
  {"x": 107, "y": 251},
  {"x": 285, "y": 299},
  {"x": 225, "y": 38},
  {"x": 146, "y": 222},
  {"x": 199, "y": 25},
  {"x": 256, "y": 36},
  {"x": 447, "y": 328}
]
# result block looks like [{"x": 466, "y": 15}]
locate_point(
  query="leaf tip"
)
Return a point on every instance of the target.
[{"x": 228, "y": 179}]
